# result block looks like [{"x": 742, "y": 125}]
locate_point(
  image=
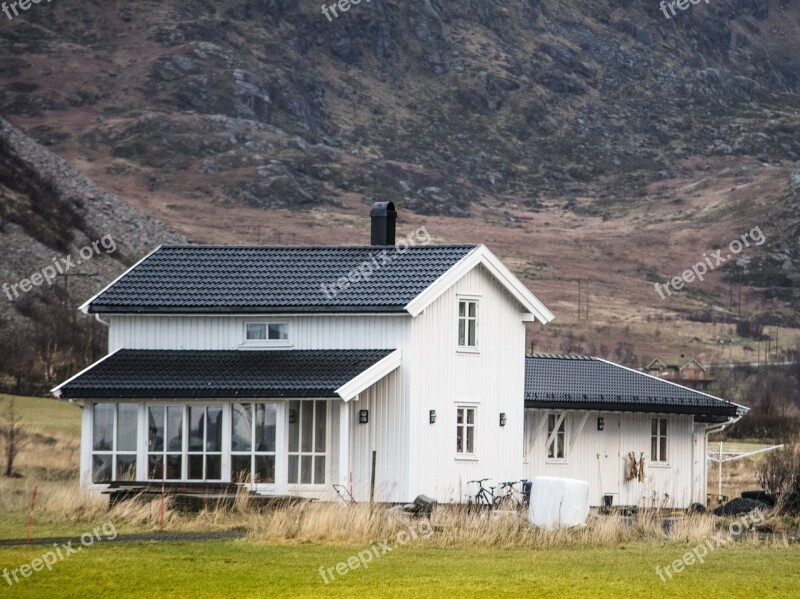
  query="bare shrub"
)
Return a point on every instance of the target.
[
  {"x": 14, "y": 437},
  {"x": 779, "y": 475}
]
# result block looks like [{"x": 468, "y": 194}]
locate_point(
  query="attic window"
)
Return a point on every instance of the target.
[{"x": 266, "y": 333}]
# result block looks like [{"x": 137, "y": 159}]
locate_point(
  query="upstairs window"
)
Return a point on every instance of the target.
[
  {"x": 658, "y": 440},
  {"x": 468, "y": 324},
  {"x": 266, "y": 333}
]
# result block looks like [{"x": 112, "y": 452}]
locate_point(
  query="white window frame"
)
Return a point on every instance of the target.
[
  {"x": 663, "y": 460},
  {"x": 204, "y": 453},
  {"x": 114, "y": 452},
  {"x": 314, "y": 454},
  {"x": 551, "y": 437},
  {"x": 463, "y": 427},
  {"x": 254, "y": 453},
  {"x": 164, "y": 452},
  {"x": 266, "y": 342},
  {"x": 467, "y": 300}
]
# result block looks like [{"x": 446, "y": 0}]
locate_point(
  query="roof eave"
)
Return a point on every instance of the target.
[{"x": 481, "y": 255}]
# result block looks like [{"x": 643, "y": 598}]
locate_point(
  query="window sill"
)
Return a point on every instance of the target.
[
  {"x": 265, "y": 344},
  {"x": 659, "y": 465},
  {"x": 556, "y": 462},
  {"x": 468, "y": 350},
  {"x": 467, "y": 458}
]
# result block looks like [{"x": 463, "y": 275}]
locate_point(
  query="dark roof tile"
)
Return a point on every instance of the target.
[
  {"x": 229, "y": 374},
  {"x": 214, "y": 279},
  {"x": 582, "y": 382}
]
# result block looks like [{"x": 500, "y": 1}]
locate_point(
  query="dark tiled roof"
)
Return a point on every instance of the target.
[
  {"x": 208, "y": 279},
  {"x": 581, "y": 382},
  {"x": 248, "y": 374}
]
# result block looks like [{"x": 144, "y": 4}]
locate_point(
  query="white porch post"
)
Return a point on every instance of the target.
[
  {"x": 344, "y": 443},
  {"x": 86, "y": 445}
]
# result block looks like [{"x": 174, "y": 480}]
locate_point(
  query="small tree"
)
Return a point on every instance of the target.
[{"x": 13, "y": 435}]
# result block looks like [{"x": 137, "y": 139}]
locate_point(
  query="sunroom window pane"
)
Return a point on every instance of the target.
[
  {"x": 196, "y": 467},
  {"x": 214, "y": 426},
  {"x": 213, "y": 467},
  {"x": 265, "y": 468},
  {"x": 103, "y": 433},
  {"x": 320, "y": 427},
  {"x": 240, "y": 468},
  {"x": 126, "y": 467},
  {"x": 294, "y": 425},
  {"x": 305, "y": 470},
  {"x": 127, "y": 426},
  {"x": 101, "y": 468},
  {"x": 156, "y": 429},
  {"x": 319, "y": 470},
  {"x": 241, "y": 427},
  {"x": 265, "y": 427},
  {"x": 307, "y": 424},
  {"x": 155, "y": 467},
  {"x": 174, "y": 464},
  {"x": 174, "y": 428},
  {"x": 196, "y": 426}
]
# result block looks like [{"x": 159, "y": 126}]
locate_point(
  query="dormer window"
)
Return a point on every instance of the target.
[{"x": 266, "y": 333}]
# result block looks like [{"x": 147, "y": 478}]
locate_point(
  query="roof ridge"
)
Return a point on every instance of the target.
[
  {"x": 542, "y": 356},
  {"x": 315, "y": 247}
]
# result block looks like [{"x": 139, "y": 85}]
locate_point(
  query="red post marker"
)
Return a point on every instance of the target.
[{"x": 30, "y": 516}]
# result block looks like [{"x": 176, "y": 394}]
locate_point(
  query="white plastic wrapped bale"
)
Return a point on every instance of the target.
[{"x": 558, "y": 502}]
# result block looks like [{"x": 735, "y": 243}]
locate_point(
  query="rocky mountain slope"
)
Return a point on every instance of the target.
[
  {"x": 50, "y": 211},
  {"x": 582, "y": 140}
]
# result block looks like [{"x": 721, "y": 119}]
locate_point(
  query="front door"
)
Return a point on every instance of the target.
[{"x": 610, "y": 459}]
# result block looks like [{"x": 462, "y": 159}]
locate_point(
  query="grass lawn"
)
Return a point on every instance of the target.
[
  {"x": 51, "y": 416},
  {"x": 250, "y": 569}
]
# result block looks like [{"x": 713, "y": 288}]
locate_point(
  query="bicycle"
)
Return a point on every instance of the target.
[
  {"x": 511, "y": 499},
  {"x": 484, "y": 498}
]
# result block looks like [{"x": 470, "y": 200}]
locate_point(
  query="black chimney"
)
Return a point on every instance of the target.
[{"x": 384, "y": 221}]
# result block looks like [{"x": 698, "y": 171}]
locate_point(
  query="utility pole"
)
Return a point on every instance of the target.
[{"x": 587, "y": 301}]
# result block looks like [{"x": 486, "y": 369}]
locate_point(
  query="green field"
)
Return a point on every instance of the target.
[
  {"x": 287, "y": 567},
  {"x": 249, "y": 569},
  {"x": 47, "y": 415}
]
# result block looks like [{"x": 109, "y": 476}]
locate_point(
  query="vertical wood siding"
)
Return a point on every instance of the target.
[
  {"x": 492, "y": 380},
  {"x": 668, "y": 485},
  {"x": 227, "y": 332}
]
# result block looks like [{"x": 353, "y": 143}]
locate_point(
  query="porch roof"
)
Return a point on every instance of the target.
[
  {"x": 169, "y": 374},
  {"x": 586, "y": 383}
]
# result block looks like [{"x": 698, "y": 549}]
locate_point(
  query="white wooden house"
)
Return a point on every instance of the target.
[{"x": 293, "y": 365}]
